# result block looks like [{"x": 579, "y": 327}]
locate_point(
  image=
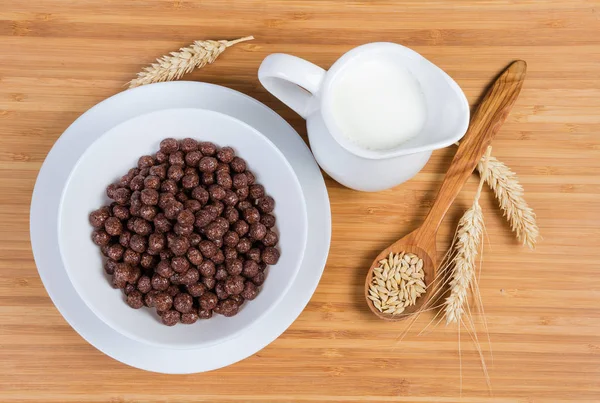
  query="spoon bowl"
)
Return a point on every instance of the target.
[
  {"x": 405, "y": 244},
  {"x": 486, "y": 122}
]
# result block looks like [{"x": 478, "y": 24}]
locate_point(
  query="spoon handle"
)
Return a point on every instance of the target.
[{"x": 485, "y": 123}]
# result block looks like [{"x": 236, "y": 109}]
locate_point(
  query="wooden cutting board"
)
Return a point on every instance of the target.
[{"x": 58, "y": 58}]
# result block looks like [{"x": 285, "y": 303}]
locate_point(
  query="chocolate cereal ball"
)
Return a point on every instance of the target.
[
  {"x": 190, "y": 181},
  {"x": 257, "y": 231},
  {"x": 194, "y": 256},
  {"x": 183, "y": 302},
  {"x": 242, "y": 193},
  {"x": 234, "y": 266},
  {"x": 227, "y": 308},
  {"x": 180, "y": 264},
  {"x": 216, "y": 192},
  {"x": 170, "y": 318},
  {"x": 238, "y": 164},
  {"x": 113, "y": 226},
  {"x": 265, "y": 204},
  {"x": 259, "y": 279},
  {"x": 152, "y": 182},
  {"x": 271, "y": 238},
  {"x": 110, "y": 266},
  {"x": 230, "y": 253},
  {"x": 179, "y": 245},
  {"x": 121, "y": 212},
  {"x": 256, "y": 191},
  {"x": 125, "y": 238},
  {"x": 172, "y": 209},
  {"x": 234, "y": 285},
  {"x": 176, "y": 158},
  {"x": 226, "y": 154},
  {"x": 137, "y": 183},
  {"x": 250, "y": 291},
  {"x": 122, "y": 196},
  {"x": 251, "y": 269},
  {"x": 100, "y": 237},
  {"x": 250, "y": 177},
  {"x": 128, "y": 288},
  {"x": 204, "y": 314},
  {"x": 207, "y": 268},
  {"x": 207, "y": 248},
  {"x": 240, "y": 181},
  {"x": 98, "y": 217},
  {"x": 268, "y": 220},
  {"x": 147, "y": 261},
  {"x": 168, "y": 186},
  {"x": 209, "y": 282},
  {"x": 157, "y": 241},
  {"x": 162, "y": 224},
  {"x": 159, "y": 171},
  {"x": 196, "y": 289},
  {"x": 138, "y": 243},
  {"x": 163, "y": 301},
  {"x": 131, "y": 257},
  {"x": 207, "y": 148},
  {"x": 192, "y": 205},
  {"x": 220, "y": 290},
  {"x": 188, "y": 144},
  {"x": 164, "y": 269},
  {"x": 192, "y": 159},
  {"x": 200, "y": 194},
  {"x": 189, "y": 317},
  {"x": 207, "y": 165},
  {"x": 149, "y": 298},
  {"x": 208, "y": 301},
  {"x": 254, "y": 254},
  {"x": 175, "y": 173},
  {"x": 144, "y": 284},
  {"x": 159, "y": 283},
  {"x": 270, "y": 255},
  {"x": 169, "y": 146},
  {"x": 224, "y": 180},
  {"x": 135, "y": 299},
  {"x": 243, "y": 245},
  {"x": 251, "y": 215},
  {"x": 115, "y": 252},
  {"x": 186, "y": 217},
  {"x": 207, "y": 178},
  {"x": 142, "y": 227}
]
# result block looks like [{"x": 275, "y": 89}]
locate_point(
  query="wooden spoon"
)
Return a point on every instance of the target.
[{"x": 485, "y": 123}]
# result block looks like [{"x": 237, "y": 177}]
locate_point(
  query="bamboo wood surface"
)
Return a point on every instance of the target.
[{"x": 59, "y": 57}]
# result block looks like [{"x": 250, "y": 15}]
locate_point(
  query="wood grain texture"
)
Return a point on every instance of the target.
[{"x": 58, "y": 58}]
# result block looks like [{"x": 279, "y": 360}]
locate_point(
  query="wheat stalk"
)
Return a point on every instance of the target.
[
  {"x": 176, "y": 64},
  {"x": 509, "y": 193},
  {"x": 465, "y": 248}
]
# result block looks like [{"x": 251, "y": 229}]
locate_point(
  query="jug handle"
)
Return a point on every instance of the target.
[{"x": 293, "y": 80}]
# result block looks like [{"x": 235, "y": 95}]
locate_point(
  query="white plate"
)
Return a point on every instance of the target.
[
  {"x": 126, "y": 105},
  {"x": 122, "y": 146}
]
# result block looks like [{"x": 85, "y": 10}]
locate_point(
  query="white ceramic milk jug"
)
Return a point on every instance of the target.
[{"x": 307, "y": 89}]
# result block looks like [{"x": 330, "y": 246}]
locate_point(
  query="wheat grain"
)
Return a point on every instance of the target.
[
  {"x": 176, "y": 64},
  {"x": 509, "y": 193},
  {"x": 393, "y": 286},
  {"x": 462, "y": 261}
]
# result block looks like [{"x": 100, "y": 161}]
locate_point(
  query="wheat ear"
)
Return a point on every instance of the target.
[
  {"x": 462, "y": 261},
  {"x": 176, "y": 64},
  {"x": 509, "y": 193}
]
